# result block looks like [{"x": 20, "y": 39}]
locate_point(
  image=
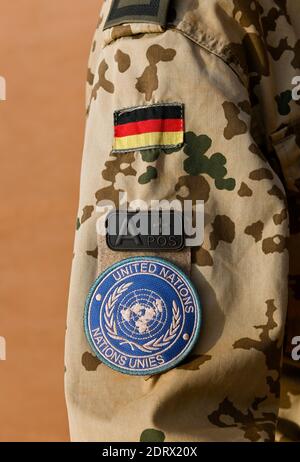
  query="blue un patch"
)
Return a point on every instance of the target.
[{"x": 142, "y": 316}]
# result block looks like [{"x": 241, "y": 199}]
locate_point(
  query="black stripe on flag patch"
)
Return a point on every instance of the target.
[
  {"x": 153, "y": 112},
  {"x": 126, "y": 11}
]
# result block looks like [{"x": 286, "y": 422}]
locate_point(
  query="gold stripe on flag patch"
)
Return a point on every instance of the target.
[{"x": 148, "y": 140}]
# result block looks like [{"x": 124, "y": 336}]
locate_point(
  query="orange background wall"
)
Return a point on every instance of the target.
[{"x": 44, "y": 46}]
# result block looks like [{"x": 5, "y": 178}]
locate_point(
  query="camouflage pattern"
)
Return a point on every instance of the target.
[
  {"x": 288, "y": 428},
  {"x": 231, "y": 62}
]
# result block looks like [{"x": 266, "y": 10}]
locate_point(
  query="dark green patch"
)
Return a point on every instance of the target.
[
  {"x": 152, "y": 436},
  {"x": 283, "y": 102},
  {"x": 149, "y": 175},
  {"x": 198, "y": 163},
  {"x": 150, "y": 155}
]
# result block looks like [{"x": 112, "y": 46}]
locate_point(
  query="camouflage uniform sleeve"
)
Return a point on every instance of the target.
[{"x": 229, "y": 388}]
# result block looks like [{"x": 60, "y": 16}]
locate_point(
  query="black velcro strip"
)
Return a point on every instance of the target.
[
  {"x": 154, "y": 112},
  {"x": 126, "y": 11}
]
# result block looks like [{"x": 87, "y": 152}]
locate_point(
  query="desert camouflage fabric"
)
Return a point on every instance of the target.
[{"x": 231, "y": 63}]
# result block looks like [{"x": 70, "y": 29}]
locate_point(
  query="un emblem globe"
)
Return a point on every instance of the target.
[{"x": 142, "y": 316}]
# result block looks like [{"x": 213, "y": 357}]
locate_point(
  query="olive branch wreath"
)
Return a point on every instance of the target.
[{"x": 152, "y": 345}]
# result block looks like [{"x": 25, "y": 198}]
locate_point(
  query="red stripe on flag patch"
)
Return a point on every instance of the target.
[{"x": 149, "y": 126}]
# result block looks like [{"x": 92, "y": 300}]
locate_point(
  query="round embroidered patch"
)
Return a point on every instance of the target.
[{"x": 142, "y": 316}]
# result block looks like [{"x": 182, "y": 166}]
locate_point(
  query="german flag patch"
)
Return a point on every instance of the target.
[{"x": 149, "y": 127}]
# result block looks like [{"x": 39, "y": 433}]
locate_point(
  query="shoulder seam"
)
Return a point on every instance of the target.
[{"x": 213, "y": 45}]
